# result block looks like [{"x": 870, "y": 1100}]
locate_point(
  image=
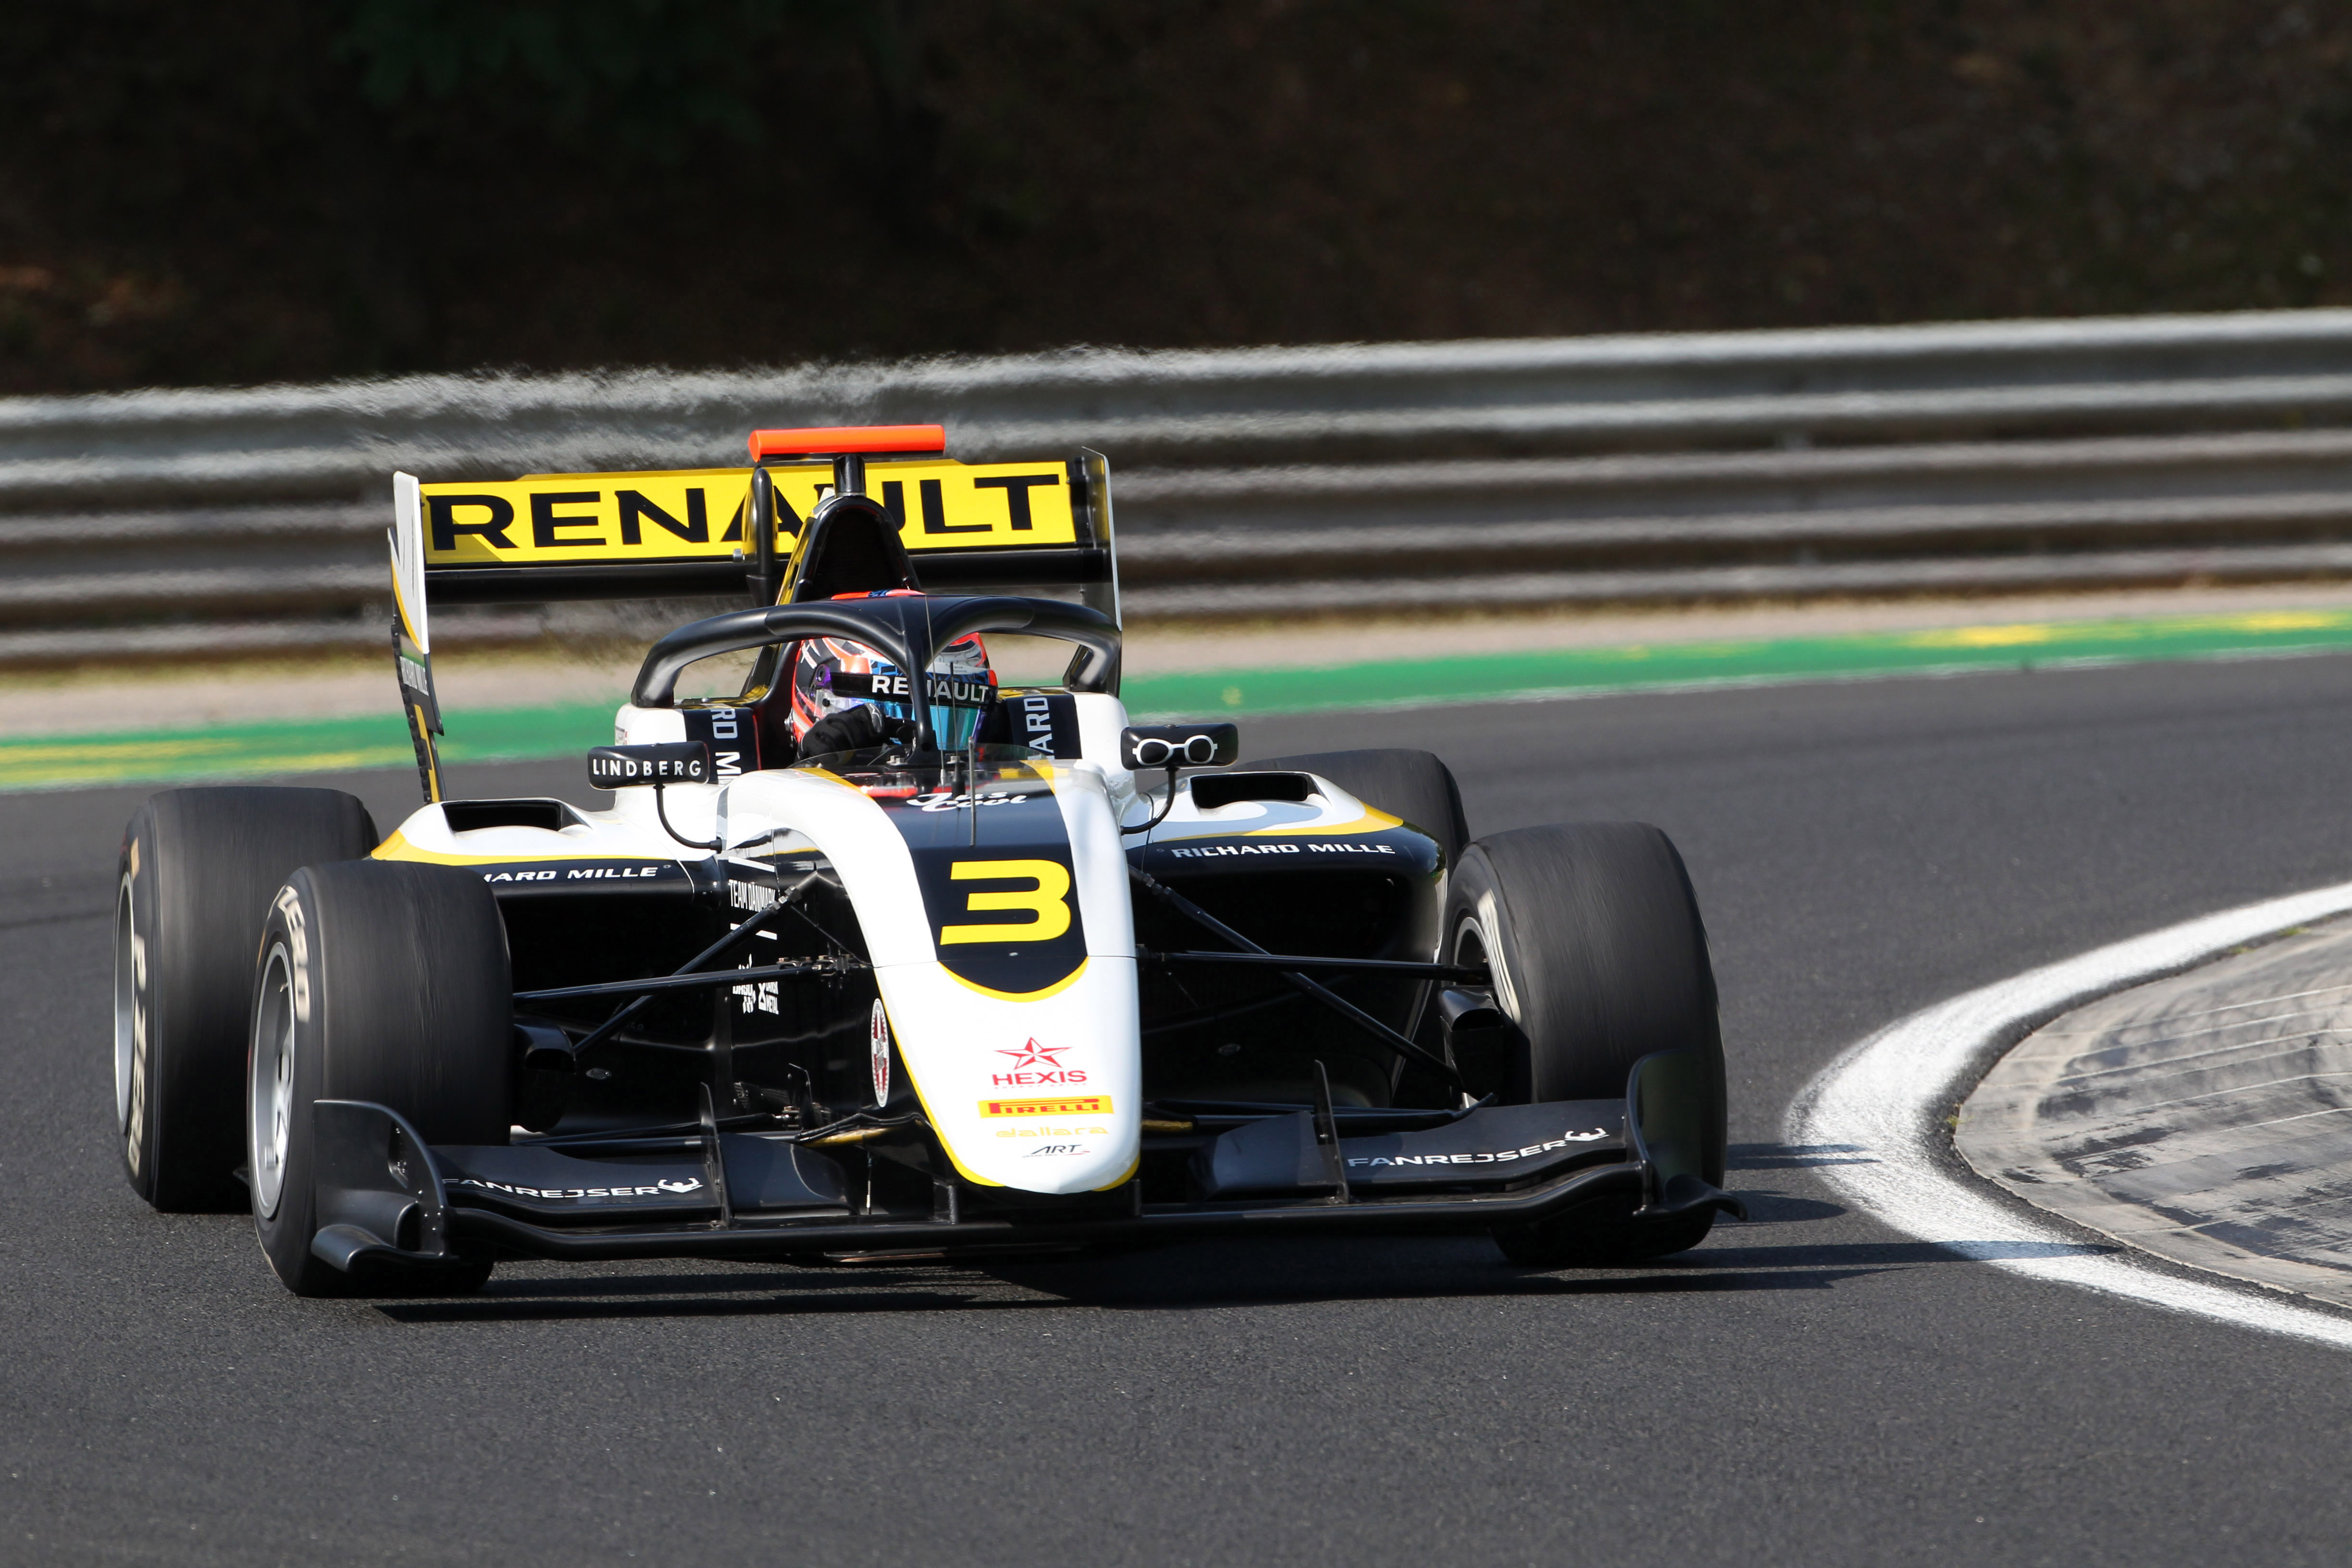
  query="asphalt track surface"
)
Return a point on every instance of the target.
[{"x": 1808, "y": 1388}]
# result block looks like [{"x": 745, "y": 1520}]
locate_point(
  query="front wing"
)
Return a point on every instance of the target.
[{"x": 385, "y": 1197}]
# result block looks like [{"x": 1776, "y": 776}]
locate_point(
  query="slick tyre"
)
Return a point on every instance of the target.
[
  {"x": 1413, "y": 785},
  {"x": 197, "y": 871},
  {"x": 381, "y": 981},
  {"x": 1600, "y": 959}
]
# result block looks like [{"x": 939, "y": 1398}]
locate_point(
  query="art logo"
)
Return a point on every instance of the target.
[{"x": 1037, "y": 1066}]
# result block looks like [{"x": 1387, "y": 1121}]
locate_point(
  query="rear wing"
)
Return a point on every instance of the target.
[{"x": 547, "y": 537}]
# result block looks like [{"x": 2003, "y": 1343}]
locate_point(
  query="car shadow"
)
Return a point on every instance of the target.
[
  {"x": 1204, "y": 1275},
  {"x": 817, "y": 1297}
]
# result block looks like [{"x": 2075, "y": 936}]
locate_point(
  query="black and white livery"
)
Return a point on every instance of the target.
[{"x": 1067, "y": 982}]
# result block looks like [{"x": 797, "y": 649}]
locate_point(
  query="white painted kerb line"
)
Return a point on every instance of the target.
[{"x": 1882, "y": 1104}]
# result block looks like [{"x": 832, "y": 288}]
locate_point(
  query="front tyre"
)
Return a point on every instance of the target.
[
  {"x": 197, "y": 872},
  {"x": 378, "y": 981},
  {"x": 1600, "y": 959}
]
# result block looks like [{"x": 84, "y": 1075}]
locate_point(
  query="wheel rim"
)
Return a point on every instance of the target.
[
  {"x": 1469, "y": 942},
  {"x": 1472, "y": 945},
  {"x": 270, "y": 1121},
  {"x": 129, "y": 1026}
]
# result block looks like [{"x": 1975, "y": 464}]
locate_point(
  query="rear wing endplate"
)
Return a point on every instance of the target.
[{"x": 411, "y": 639}]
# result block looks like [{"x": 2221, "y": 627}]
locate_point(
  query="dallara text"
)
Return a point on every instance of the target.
[{"x": 886, "y": 952}]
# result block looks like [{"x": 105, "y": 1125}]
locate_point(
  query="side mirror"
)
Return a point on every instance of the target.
[
  {"x": 1174, "y": 746},
  {"x": 676, "y": 762}
]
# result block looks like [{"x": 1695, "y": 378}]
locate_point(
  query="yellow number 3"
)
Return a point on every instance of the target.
[{"x": 1048, "y": 900}]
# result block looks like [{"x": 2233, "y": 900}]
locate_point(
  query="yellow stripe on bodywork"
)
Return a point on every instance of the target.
[
  {"x": 1055, "y": 989},
  {"x": 947, "y": 1144},
  {"x": 398, "y": 847},
  {"x": 1372, "y": 821}
]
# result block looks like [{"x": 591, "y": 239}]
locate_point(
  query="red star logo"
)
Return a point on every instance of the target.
[{"x": 1034, "y": 1054}]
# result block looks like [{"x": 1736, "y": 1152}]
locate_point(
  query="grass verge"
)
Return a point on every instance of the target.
[{"x": 316, "y": 745}]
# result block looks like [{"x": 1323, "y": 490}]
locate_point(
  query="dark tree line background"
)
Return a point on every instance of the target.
[{"x": 195, "y": 192}]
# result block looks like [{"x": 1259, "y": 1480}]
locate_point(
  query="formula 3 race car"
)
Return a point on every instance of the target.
[{"x": 1011, "y": 975}]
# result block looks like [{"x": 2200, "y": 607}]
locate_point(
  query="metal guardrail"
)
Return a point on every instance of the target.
[{"x": 1972, "y": 458}]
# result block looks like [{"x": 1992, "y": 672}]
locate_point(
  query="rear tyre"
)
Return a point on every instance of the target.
[
  {"x": 197, "y": 872},
  {"x": 1600, "y": 959},
  {"x": 1415, "y": 785},
  {"x": 382, "y": 981}
]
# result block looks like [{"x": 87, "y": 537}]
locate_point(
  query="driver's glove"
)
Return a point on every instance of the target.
[{"x": 853, "y": 730}]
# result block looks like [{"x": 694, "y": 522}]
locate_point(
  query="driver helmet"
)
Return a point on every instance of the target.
[{"x": 830, "y": 674}]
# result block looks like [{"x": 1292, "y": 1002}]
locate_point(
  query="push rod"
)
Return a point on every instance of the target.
[
  {"x": 1477, "y": 974},
  {"x": 759, "y": 917},
  {"x": 1337, "y": 1004},
  {"x": 702, "y": 982}
]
